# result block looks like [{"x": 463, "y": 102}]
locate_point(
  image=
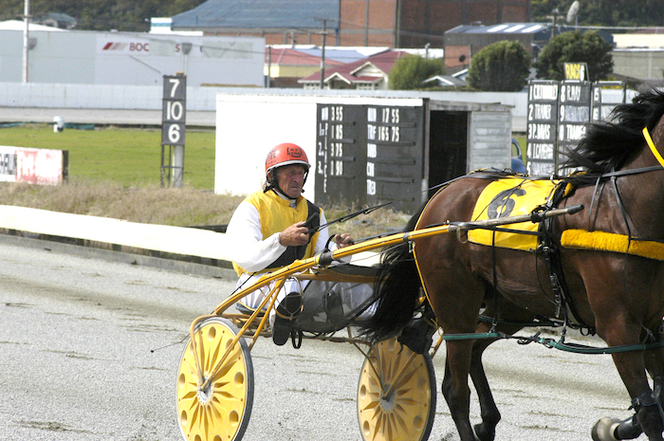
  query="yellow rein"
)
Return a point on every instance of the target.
[{"x": 653, "y": 149}]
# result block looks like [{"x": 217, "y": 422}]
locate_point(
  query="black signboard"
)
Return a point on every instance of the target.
[
  {"x": 603, "y": 102},
  {"x": 574, "y": 116},
  {"x": 558, "y": 116},
  {"x": 542, "y": 120},
  {"x": 340, "y": 153},
  {"x": 394, "y": 155},
  {"x": 368, "y": 154},
  {"x": 174, "y": 110}
]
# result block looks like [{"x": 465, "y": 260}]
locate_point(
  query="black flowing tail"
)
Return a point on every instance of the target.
[{"x": 397, "y": 291}]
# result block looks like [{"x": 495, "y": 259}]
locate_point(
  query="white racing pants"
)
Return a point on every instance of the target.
[{"x": 254, "y": 299}]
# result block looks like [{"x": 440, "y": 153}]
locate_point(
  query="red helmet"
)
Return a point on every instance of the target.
[{"x": 286, "y": 154}]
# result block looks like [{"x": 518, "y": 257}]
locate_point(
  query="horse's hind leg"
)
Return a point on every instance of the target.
[
  {"x": 486, "y": 430},
  {"x": 455, "y": 386}
]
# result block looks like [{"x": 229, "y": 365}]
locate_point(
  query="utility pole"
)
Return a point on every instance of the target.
[
  {"x": 366, "y": 23},
  {"x": 555, "y": 15},
  {"x": 26, "y": 40},
  {"x": 269, "y": 66},
  {"x": 322, "y": 57}
]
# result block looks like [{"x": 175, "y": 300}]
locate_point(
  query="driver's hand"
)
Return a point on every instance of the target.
[
  {"x": 343, "y": 240},
  {"x": 295, "y": 235}
]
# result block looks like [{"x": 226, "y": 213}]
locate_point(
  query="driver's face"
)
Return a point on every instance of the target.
[{"x": 291, "y": 179}]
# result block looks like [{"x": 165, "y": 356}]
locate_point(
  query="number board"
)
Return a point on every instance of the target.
[
  {"x": 574, "y": 116},
  {"x": 542, "y": 119},
  {"x": 395, "y": 150},
  {"x": 340, "y": 153},
  {"x": 603, "y": 103},
  {"x": 174, "y": 111},
  {"x": 369, "y": 154},
  {"x": 558, "y": 115}
]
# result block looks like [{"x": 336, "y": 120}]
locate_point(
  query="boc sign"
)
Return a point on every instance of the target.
[{"x": 174, "y": 110}]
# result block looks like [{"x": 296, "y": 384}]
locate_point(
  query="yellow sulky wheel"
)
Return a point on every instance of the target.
[
  {"x": 396, "y": 395},
  {"x": 216, "y": 410}
]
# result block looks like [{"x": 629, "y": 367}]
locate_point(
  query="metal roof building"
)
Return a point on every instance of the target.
[
  {"x": 250, "y": 15},
  {"x": 391, "y": 23},
  {"x": 462, "y": 42}
]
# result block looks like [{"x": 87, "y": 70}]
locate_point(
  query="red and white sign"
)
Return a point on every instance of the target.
[
  {"x": 118, "y": 45},
  {"x": 34, "y": 166}
]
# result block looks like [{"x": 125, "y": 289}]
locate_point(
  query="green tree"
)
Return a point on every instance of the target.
[
  {"x": 410, "y": 72},
  {"x": 579, "y": 47},
  {"x": 101, "y": 15},
  {"x": 502, "y": 66},
  {"x": 602, "y": 12}
]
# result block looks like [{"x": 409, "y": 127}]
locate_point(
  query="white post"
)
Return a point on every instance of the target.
[{"x": 26, "y": 40}]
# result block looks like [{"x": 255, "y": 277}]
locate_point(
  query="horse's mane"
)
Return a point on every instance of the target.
[{"x": 607, "y": 144}]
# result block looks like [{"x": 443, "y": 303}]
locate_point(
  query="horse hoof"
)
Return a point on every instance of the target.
[
  {"x": 482, "y": 433},
  {"x": 604, "y": 429}
]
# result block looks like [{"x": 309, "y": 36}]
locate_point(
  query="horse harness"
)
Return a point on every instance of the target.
[
  {"x": 545, "y": 246},
  {"x": 550, "y": 252},
  {"x": 551, "y": 255}
]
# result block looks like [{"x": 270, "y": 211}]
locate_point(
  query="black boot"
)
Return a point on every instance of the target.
[
  {"x": 287, "y": 311},
  {"x": 417, "y": 335}
]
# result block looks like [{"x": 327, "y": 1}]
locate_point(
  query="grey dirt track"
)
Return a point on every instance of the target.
[{"x": 76, "y": 363}]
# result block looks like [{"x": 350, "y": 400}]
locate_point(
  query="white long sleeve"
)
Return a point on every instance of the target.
[{"x": 246, "y": 246}]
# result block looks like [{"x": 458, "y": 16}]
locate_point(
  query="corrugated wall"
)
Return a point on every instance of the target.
[{"x": 490, "y": 138}]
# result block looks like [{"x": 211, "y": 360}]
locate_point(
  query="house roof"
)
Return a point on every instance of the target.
[
  {"x": 640, "y": 40},
  {"x": 504, "y": 28},
  {"x": 19, "y": 25},
  {"x": 294, "y": 57},
  {"x": 258, "y": 14},
  {"x": 538, "y": 31},
  {"x": 342, "y": 55},
  {"x": 445, "y": 80},
  {"x": 59, "y": 16},
  {"x": 366, "y": 70}
]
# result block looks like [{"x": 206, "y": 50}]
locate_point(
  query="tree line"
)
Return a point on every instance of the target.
[
  {"x": 607, "y": 13},
  {"x": 100, "y": 15},
  {"x": 504, "y": 66},
  {"x": 134, "y": 16}
]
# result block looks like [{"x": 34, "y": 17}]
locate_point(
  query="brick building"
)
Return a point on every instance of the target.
[{"x": 390, "y": 23}]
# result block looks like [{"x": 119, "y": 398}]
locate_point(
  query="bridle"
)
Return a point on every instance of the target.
[{"x": 653, "y": 148}]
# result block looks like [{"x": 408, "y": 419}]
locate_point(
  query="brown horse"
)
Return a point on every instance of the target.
[{"x": 618, "y": 294}]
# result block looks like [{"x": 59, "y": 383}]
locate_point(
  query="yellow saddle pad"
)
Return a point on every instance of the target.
[{"x": 510, "y": 197}]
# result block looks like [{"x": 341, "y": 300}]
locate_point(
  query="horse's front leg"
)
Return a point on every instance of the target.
[
  {"x": 455, "y": 386},
  {"x": 631, "y": 368},
  {"x": 654, "y": 360}
]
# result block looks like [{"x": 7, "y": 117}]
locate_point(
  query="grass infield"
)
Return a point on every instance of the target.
[{"x": 115, "y": 172}]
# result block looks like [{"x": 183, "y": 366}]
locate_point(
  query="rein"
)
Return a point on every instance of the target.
[
  {"x": 559, "y": 344},
  {"x": 347, "y": 217}
]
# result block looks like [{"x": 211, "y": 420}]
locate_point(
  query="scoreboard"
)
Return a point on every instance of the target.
[
  {"x": 380, "y": 146},
  {"x": 558, "y": 115}
]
